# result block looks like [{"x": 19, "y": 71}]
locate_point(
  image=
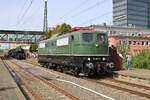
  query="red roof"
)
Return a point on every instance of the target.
[{"x": 81, "y": 28}]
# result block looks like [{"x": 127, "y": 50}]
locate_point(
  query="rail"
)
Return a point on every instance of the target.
[
  {"x": 17, "y": 78},
  {"x": 50, "y": 84}
]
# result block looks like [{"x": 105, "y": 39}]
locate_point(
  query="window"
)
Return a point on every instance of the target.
[
  {"x": 142, "y": 43},
  {"x": 54, "y": 43},
  {"x": 120, "y": 41},
  {"x": 87, "y": 37},
  {"x": 134, "y": 42},
  {"x": 46, "y": 45},
  {"x": 130, "y": 42},
  {"x": 147, "y": 43},
  {"x": 124, "y": 42},
  {"x": 138, "y": 43},
  {"x": 72, "y": 38},
  {"x": 101, "y": 38}
]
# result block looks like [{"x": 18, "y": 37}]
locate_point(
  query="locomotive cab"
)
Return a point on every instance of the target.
[{"x": 94, "y": 47}]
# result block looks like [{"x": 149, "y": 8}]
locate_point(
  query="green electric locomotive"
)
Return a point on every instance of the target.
[{"x": 84, "y": 51}]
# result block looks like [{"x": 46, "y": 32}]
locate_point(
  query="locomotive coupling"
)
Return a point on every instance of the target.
[{"x": 110, "y": 65}]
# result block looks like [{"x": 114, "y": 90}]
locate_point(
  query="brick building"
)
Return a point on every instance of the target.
[
  {"x": 139, "y": 39},
  {"x": 137, "y": 44}
]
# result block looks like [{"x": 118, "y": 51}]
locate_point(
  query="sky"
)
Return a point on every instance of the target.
[{"x": 14, "y": 14}]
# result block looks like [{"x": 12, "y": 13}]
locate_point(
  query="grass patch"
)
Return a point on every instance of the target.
[{"x": 141, "y": 60}]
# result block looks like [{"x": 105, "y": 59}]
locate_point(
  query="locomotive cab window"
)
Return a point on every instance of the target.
[
  {"x": 101, "y": 38},
  {"x": 72, "y": 38},
  {"x": 54, "y": 43},
  {"x": 87, "y": 37},
  {"x": 46, "y": 45}
]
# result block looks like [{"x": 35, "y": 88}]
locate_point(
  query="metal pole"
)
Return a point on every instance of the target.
[{"x": 45, "y": 25}]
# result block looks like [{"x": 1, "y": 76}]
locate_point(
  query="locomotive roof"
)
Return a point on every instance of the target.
[
  {"x": 71, "y": 33},
  {"x": 75, "y": 32}
]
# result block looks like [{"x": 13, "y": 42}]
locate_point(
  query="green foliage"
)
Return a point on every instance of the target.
[
  {"x": 123, "y": 49},
  {"x": 141, "y": 60},
  {"x": 33, "y": 48},
  {"x": 1, "y": 52},
  {"x": 63, "y": 28}
]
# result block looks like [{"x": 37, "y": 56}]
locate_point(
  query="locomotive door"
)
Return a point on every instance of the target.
[{"x": 71, "y": 44}]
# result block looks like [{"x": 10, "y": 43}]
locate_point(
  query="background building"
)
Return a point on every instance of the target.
[
  {"x": 123, "y": 31},
  {"x": 132, "y": 13},
  {"x": 137, "y": 44},
  {"x": 137, "y": 38}
]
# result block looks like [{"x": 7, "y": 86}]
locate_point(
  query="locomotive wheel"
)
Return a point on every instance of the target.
[
  {"x": 76, "y": 72},
  {"x": 55, "y": 67},
  {"x": 42, "y": 64},
  {"x": 90, "y": 74},
  {"x": 93, "y": 74},
  {"x": 61, "y": 69},
  {"x": 65, "y": 69},
  {"x": 50, "y": 66}
]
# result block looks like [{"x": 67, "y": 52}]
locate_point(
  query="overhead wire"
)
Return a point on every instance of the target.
[
  {"x": 26, "y": 11},
  {"x": 107, "y": 13},
  {"x": 85, "y": 10},
  {"x": 75, "y": 8},
  {"x": 95, "y": 18},
  {"x": 21, "y": 10}
]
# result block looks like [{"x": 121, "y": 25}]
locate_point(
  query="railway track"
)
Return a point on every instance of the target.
[
  {"x": 72, "y": 84},
  {"x": 25, "y": 88},
  {"x": 123, "y": 86},
  {"x": 136, "y": 89},
  {"x": 39, "y": 87}
]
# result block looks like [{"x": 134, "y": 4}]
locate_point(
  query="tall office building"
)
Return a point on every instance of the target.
[{"x": 132, "y": 13}]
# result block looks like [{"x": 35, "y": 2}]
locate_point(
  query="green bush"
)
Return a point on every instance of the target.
[
  {"x": 141, "y": 60},
  {"x": 1, "y": 52},
  {"x": 123, "y": 49},
  {"x": 33, "y": 48}
]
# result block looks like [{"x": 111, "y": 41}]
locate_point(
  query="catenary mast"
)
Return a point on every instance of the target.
[{"x": 45, "y": 25}]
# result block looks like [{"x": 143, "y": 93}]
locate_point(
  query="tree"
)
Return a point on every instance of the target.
[
  {"x": 63, "y": 28},
  {"x": 123, "y": 49},
  {"x": 33, "y": 47}
]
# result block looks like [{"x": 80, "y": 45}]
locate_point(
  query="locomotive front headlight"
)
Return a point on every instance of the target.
[
  {"x": 89, "y": 59},
  {"x": 103, "y": 58},
  {"x": 96, "y": 45}
]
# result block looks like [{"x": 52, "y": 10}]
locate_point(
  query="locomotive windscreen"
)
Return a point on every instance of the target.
[
  {"x": 87, "y": 37},
  {"x": 101, "y": 38}
]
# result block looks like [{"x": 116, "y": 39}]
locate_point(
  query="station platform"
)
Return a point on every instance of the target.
[
  {"x": 135, "y": 73},
  {"x": 8, "y": 88}
]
